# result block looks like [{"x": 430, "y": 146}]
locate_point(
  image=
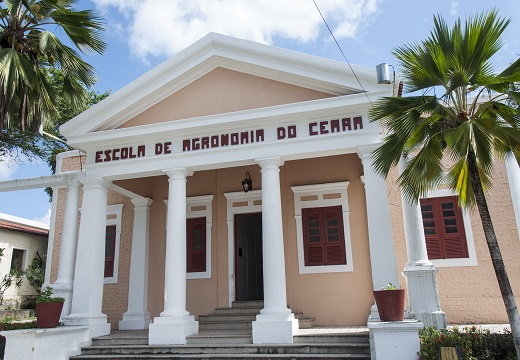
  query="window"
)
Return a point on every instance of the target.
[
  {"x": 198, "y": 236},
  {"x": 110, "y": 250},
  {"x": 323, "y": 239},
  {"x": 196, "y": 245},
  {"x": 112, "y": 238},
  {"x": 18, "y": 260},
  {"x": 322, "y": 228},
  {"x": 447, "y": 231}
]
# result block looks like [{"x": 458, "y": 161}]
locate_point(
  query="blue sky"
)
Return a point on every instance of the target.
[{"x": 143, "y": 33}]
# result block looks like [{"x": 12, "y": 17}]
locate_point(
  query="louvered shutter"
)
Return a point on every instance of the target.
[
  {"x": 323, "y": 237},
  {"x": 313, "y": 244},
  {"x": 443, "y": 228},
  {"x": 432, "y": 229},
  {"x": 335, "y": 242},
  {"x": 110, "y": 250},
  {"x": 454, "y": 235},
  {"x": 196, "y": 244}
]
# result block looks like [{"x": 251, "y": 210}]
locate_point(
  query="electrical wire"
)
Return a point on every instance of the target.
[{"x": 342, "y": 53}]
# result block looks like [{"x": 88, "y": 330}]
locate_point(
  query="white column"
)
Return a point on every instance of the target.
[
  {"x": 137, "y": 317},
  {"x": 63, "y": 285},
  {"x": 275, "y": 323},
  {"x": 175, "y": 323},
  {"x": 420, "y": 273},
  {"x": 513, "y": 176},
  {"x": 87, "y": 295},
  {"x": 380, "y": 239}
]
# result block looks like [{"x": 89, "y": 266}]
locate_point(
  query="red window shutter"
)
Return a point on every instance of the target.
[
  {"x": 444, "y": 228},
  {"x": 323, "y": 237},
  {"x": 110, "y": 250},
  {"x": 196, "y": 245}
]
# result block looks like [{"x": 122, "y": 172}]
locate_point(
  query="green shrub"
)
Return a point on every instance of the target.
[
  {"x": 474, "y": 343},
  {"x": 13, "y": 325}
]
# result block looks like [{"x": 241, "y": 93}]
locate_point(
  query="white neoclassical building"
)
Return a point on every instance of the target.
[{"x": 167, "y": 232}]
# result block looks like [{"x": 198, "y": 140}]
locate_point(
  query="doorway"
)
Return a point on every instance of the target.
[{"x": 249, "y": 280}]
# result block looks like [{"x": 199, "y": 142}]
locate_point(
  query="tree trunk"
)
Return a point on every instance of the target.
[{"x": 494, "y": 251}]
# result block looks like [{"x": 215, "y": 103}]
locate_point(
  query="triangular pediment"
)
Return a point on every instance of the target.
[
  {"x": 220, "y": 74},
  {"x": 224, "y": 91}
]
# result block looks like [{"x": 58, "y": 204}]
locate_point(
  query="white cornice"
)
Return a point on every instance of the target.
[
  {"x": 212, "y": 51},
  {"x": 315, "y": 109}
]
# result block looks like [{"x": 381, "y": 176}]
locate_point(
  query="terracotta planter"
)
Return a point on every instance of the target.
[
  {"x": 48, "y": 314},
  {"x": 390, "y": 304}
]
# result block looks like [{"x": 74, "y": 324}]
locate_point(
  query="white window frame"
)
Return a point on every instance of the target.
[
  {"x": 116, "y": 210},
  {"x": 24, "y": 259},
  {"x": 471, "y": 260},
  {"x": 238, "y": 203},
  {"x": 194, "y": 205},
  {"x": 323, "y": 194}
]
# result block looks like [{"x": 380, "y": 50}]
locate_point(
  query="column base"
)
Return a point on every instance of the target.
[
  {"x": 172, "y": 330},
  {"x": 135, "y": 321},
  {"x": 423, "y": 295},
  {"x": 275, "y": 329},
  {"x": 64, "y": 290},
  {"x": 394, "y": 340},
  {"x": 98, "y": 325}
]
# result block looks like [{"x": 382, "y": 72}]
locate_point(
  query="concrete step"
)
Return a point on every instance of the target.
[
  {"x": 248, "y": 304},
  {"x": 238, "y": 311},
  {"x": 114, "y": 340},
  {"x": 245, "y": 350},
  {"x": 218, "y": 338},
  {"x": 224, "y": 357},
  {"x": 226, "y": 317},
  {"x": 225, "y": 325},
  {"x": 354, "y": 338}
]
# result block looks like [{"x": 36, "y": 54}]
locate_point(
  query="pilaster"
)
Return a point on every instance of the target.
[
  {"x": 513, "y": 176},
  {"x": 137, "y": 316}
]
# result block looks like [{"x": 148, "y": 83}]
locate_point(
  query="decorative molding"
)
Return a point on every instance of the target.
[
  {"x": 320, "y": 195},
  {"x": 250, "y": 202},
  {"x": 471, "y": 260},
  {"x": 200, "y": 206},
  {"x": 116, "y": 210}
]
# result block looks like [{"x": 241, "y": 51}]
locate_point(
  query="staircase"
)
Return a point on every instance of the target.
[{"x": 226, "y": 334}]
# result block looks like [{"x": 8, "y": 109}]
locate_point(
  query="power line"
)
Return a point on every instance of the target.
[{"x": 342, "y": 53}]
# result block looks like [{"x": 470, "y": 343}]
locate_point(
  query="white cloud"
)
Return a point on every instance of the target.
[
  {"x": 7, "y": 169},
  {"x": 164, "y": 27},
  {"x": 454, "y": 8},
  {"x": 46, "y": 219}
]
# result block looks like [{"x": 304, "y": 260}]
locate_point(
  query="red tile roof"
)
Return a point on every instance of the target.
[{"x": 23, "y": 228}]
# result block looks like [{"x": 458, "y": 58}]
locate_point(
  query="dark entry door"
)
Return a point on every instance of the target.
[{"x": 249, "y": 279}]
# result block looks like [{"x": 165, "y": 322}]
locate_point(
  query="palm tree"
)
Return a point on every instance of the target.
[
  {"x": 466, "y": 117},
  {"x": 28, "y": 48}
]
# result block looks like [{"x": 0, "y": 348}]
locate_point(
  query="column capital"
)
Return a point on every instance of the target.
[
  {"x": 178, "y": 173},
  {"x": 272, "y": 162},
  {"x": 141, "y": 202},
  {"x": 365, "y": 151},
  {"x": 73, "y": 183},
  {"x": 96, "y": 183}
]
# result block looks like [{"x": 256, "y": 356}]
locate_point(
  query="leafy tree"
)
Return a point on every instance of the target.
[
  {"x": 452, "y": 138},
  {"x": 13, "y": 277},
  {"x": 35, "y": 272},
  {"x": 28, "y": 51}
]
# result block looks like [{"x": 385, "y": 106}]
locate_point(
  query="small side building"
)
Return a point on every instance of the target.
[{"x": 21, "y": 240}]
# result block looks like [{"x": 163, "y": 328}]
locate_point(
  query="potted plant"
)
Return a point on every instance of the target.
[
  {"x": 48, "y": 309},
  {"x": 390, "y": 303}
]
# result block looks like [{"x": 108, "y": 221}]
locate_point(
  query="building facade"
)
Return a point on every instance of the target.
[{"x": 168, "y": 232}]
